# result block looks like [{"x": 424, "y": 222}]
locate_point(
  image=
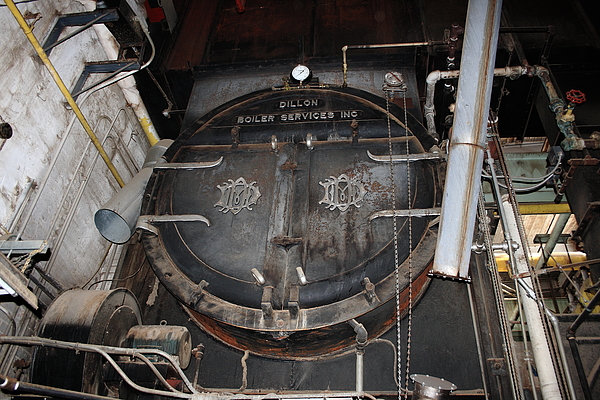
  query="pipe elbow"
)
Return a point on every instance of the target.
[
  {"x": 361, "y": 333},
  {"x": 540, "y": 72},
  {"x": 515, "y": 72},
  {"x": 9, "y": 384},
  {"x": 433, "y": 77}
]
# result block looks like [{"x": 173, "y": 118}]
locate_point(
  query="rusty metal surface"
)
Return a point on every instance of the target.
[
  {"x": 330, "y": 341},
  {"x": 278, "y": 206}
]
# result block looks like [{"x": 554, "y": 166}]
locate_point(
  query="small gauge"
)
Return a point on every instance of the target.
[
  {"x": 301, "y": 73},
  {"x": 394, "y": 79}
]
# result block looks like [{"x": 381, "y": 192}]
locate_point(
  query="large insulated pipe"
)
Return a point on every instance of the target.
[
  {"x": 61, "y": 85},
  {"x": 465, "y": 156},
  {"x": 537, "y": 335}
]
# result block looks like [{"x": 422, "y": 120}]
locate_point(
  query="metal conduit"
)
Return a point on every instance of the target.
[
  {"x": 557, "y": 104},
  {"x": 73, "y": 209},
  {"x": 435, "y": 76},
  {"x": 376, "y": 46},
  {"x": 13, "y": 385},
  {"x": 58, "y": 80},
  {"x": 465, "y": 157}
]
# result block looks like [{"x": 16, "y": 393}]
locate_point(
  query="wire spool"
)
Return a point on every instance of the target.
[{"x": 84, "y": 316}]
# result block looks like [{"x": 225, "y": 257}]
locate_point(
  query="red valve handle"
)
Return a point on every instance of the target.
[{"x": 575, "y": 96}]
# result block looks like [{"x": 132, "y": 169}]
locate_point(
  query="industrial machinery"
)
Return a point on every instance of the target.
[
  {"x": 285, "y": 240},
  {"x": 296, "y": 223},
  {"x": 294, "y": 193}
]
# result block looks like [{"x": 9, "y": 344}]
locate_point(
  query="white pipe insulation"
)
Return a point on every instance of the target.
[
  {"x": 535, "y": 326},
  {"x": 127, "y": 85},
  {"x": 465, "y": 156}
]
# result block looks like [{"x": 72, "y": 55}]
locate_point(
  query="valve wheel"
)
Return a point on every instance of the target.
[{"x": 576, "y": 96}]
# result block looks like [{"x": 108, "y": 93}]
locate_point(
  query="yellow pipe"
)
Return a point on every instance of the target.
[
  {"x": 544, "y": 208},
  {"x": 86, "y": 126},
  {"x": 561, "y": 258}
]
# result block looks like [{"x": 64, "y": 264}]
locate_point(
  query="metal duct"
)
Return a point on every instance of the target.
[
  {"x": 117, "y": 219},
  {"x": 465, "y": 157}
]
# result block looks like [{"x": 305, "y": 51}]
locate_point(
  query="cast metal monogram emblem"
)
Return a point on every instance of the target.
[
  {"x": 342, "y": 192},
  {"x": 237, "y": 195}
]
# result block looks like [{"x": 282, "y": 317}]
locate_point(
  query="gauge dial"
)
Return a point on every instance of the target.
[{"x": 301, "y": 73}]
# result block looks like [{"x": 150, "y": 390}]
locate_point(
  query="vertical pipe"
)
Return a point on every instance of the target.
[
  {"x": 86, "y": 126},
  {"x": 553, "y": 239},
  {"x": 359, "y": 371},
  {"x": 539, "y": 342},
  {"x": 465, "y": 157},
  {"x": 563, "y": 355},
  {"x": 361, "y": 341},
  {"x": 572, "y": 338}
]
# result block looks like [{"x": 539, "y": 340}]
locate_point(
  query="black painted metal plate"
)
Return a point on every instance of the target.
[{"x": 288, "y": 207}]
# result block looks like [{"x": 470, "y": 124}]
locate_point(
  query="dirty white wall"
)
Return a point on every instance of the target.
[{"x": 51, "y": 178}]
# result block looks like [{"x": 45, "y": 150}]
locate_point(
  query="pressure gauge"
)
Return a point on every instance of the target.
[{"x": 301, "y": 73}]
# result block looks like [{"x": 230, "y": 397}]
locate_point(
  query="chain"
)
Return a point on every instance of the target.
[
  {"x": 410, "y": 247},
  {"x": 396, "y": 260},
  {"x": 507, "y": 339},
  {"x": 401, "y": 392}
]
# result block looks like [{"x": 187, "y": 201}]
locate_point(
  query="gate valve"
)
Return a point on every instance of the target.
[{"x": 574, "y": 97}]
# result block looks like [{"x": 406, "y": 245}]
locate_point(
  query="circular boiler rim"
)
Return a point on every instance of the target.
[
  {"x": 195, "y": 296},
  {"x": 309, "y": 318},
  {"x": 222, "y": 332}
]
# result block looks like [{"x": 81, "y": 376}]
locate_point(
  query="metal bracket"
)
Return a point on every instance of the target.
[
  {"x": 85, "y": 20},
  {"x": 415, "y": 212},
  {"x": 575, "y": 163},
  {"x": 407, "y": 157},
  {"x": 497, "y": 366},
  {"x": 193, "y": 165},
  {"x": 286, "y": 241},
  {"x": 113, "y": 67},
  {"x": 294, "y": 302},
  {"x": 590, "y": 214},
  {"x": 235, "y": 137},
  {"x": 13, "y": 282},
  {"x": 354, "y": 126},
  {"x": 146, "y": 222},
  {"x": 18, "y": 247},
  {"x": 370, "y": 291},
  {"x": 199, "y": 293},
  {"x": 265, "y": 302}
]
